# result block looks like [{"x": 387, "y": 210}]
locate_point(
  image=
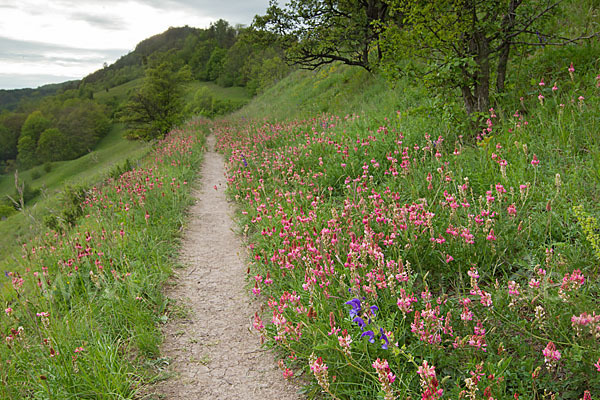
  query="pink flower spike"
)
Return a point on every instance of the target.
[
  {"x": 551, "y": 355},
  {"x": 597, "y": 365},
  {"x": 535, "y": 161},
  {"x": 554, "y": 88},
  {"x": 571, "y": 68},
  {"x": 542, "y": 82}
]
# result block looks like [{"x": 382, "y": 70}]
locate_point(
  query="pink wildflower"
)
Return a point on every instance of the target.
[
  {"x": 386, "y": 377},
  {"x": 429, "y": 382},
  {"x": 551, "y": 355},
  {"x": 405, "y": 302},
  {"x": 535, "y": 161}
]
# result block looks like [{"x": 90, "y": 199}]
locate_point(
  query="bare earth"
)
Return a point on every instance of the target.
[{"x": 213, "y": 351}]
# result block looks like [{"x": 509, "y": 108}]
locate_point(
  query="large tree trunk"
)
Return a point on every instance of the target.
[
  {"x": 469, "y": 99},
  {"x": 482, "y": 83},
  {"x": 502, "y": 66},
  {"x": 476, "y": 94},
  {"x": 508, "y": 22}
]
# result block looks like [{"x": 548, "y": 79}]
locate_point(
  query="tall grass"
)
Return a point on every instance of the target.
[
  {"x": 81, "y": 308},
  {"x": 400, "y": 259}
]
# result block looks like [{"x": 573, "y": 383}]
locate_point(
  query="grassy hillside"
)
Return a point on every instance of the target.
[
  {"x": 409, "y": 256},
  {"x": 86, "y": 171},
  {"x": 395, "y": 249}
]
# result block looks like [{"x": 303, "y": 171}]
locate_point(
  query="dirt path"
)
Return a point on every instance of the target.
[{"x": 212, "y": 350}]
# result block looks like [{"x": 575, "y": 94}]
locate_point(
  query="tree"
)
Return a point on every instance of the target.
[
  {"x": 34, "y": 125},
  {"x": 157, "y": 106},
  {"x": 52, "y": 146},
  {"x": 83, "y": 123},
  {"x": 319, "y": 32},
  {"x": 10, "y": 137},
  {"x": 214, "y": 67},
  {"x": 223, "y": 33},
  {"x": 8, "y": 144},
  {"x": 32, "y": 128},
  {"x": 27, "y": 148},
  {"x": 461, "y": 42}
]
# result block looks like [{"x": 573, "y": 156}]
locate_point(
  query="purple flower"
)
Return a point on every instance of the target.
[
  {"x": 370, "y": 335},
  {"x": 384, "y": 337},
  {"x": 360, "y": 322},
  {"x": 356, "y": 307}
]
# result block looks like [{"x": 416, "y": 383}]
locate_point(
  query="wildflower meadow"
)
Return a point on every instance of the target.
[
  {"x": 81, "y": 304},
  {"x": 397, "y": 264}
]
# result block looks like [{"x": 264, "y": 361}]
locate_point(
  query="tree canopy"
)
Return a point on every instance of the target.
[
  {"x": 316, "y": 33},
  {"x": 155, "y": 108}
]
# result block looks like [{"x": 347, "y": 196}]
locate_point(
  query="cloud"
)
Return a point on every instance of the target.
[
  {"x": 234, "y": 11},
  {"x": 100, "y": 21},
  {"x": 72, "y": 38},
  {"x": 30, "y": 62}
]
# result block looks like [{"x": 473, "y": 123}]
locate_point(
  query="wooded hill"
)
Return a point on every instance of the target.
[{"x": 73, "y": 116}]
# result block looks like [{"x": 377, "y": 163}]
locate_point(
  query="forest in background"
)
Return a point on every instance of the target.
[{"x": 65, "y": 121}]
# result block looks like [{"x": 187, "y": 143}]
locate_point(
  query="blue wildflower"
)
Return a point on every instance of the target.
[
  {"x": 356, "y": 307},
  {"x": 360, "y": 322},
  {"x": 370, "y": 335},
  {"x": 385, "y": 339}
]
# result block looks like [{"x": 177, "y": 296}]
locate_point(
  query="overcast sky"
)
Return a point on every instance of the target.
[{"x": 51, "y": 41}]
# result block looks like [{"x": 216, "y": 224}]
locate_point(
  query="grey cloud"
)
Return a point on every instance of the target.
[
  {"x": 101, "y": 21},
  {"x": 19, "y": 49},
  {"x": 234, "y": 11},
  {"x": 29, "y": 52}
]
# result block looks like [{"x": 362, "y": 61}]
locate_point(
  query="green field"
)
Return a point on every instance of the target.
[{"x": 87, "y": 170}]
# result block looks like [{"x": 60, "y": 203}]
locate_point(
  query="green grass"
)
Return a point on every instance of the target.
[
  {"x": 86, "y": 170},
  {"x": 293, "y": 148},
  {"x": 221, "y": 93},
  {"x": 89, "y": 328},
  {"x": 119, "y": 93}
]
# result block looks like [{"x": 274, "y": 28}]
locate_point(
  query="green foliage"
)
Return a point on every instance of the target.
[
  {"x": 464, "y": 45},
  {"x": 83, "y": 123},
  {"x": 71, "y": 208},
  {"x": 34, "y": 125},
  {"x": 8, "y": 143},
  {"x": 316, "y": 33},
  {"x": 31, "y": 130},
  {"x": 27, "y": 148},
  {"x": 6, "y": 210},
  {"x": 591, "y": 228},
  {"x": 206, "y": 103},
  {"x": 266, "y": 73},
  {"x": 52, "y": 146},
  {"x": 214, "y": 67},
  {"x": 157, "y": 106}
]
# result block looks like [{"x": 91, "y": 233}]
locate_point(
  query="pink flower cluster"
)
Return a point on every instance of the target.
[{"x": 386, "y": 378}]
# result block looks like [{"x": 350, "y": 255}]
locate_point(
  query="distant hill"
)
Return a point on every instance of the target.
[
  {"x": 129, "y": 66},
  {"x": 125, "y": 69},
  {"x": 9, "y": 99}
]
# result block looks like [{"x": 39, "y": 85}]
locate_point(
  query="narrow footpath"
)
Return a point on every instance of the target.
[{"x": 212, "y": 350}]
